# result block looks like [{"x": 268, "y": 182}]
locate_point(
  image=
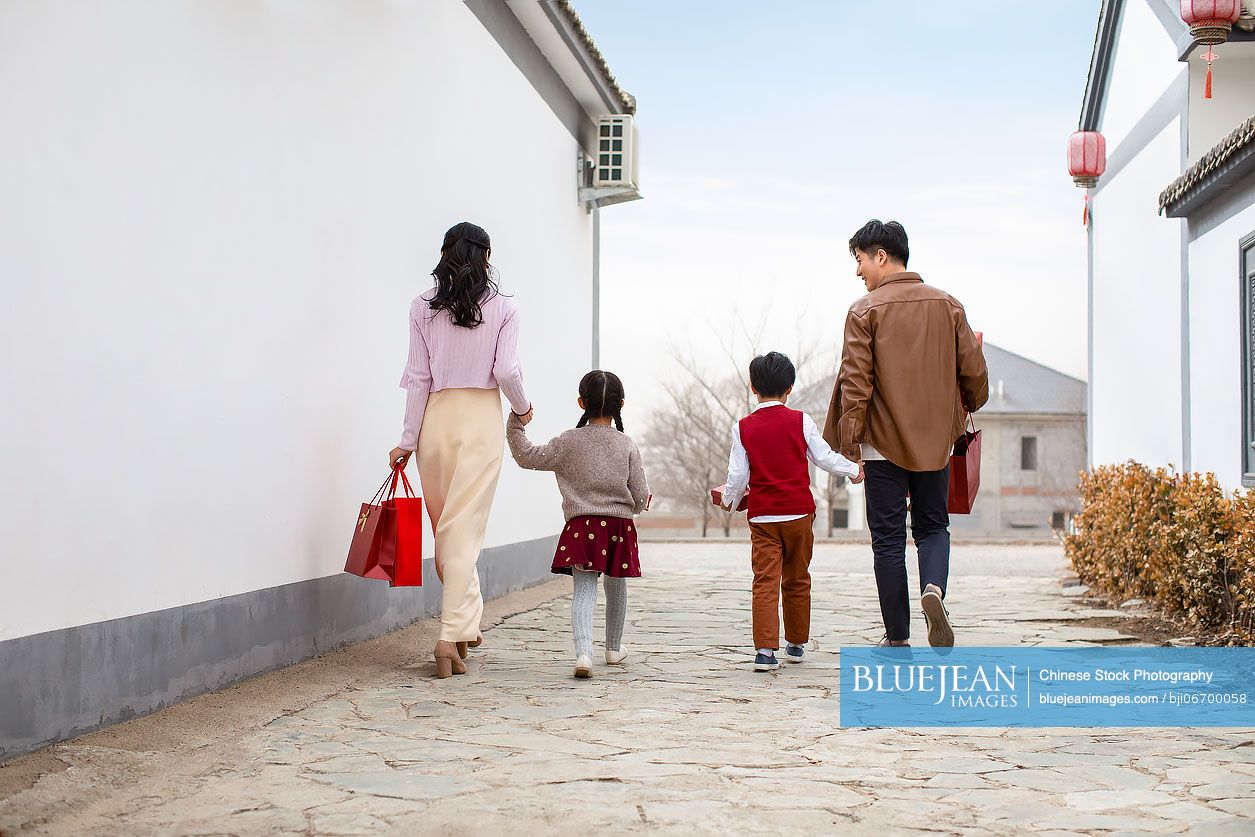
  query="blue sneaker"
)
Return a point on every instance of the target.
[
  {"x": 765, "y": 662},
  {"x": 793, "y": 653}
]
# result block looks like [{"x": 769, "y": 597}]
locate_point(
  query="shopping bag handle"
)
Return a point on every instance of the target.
[
  {"x": 379, "y": 495},
  {"x": 398, "y": 472},
  {"x": 388, "y": 490}
]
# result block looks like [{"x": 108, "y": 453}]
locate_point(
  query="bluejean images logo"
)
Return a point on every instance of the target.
[{"x": 1048, "y": 687}]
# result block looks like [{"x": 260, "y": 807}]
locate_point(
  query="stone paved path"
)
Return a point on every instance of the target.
[{"x": 685, "y": 738}]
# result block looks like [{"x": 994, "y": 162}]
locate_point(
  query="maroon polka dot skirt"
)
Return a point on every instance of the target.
[{"x": 600, "y": 544}]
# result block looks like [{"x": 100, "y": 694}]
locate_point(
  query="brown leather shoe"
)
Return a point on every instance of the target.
[{"x": 463, "y": 646}]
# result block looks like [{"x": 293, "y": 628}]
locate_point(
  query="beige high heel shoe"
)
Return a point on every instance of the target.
[
  {"x": 462, "y": 646},
  {"x": 448, "y": 662}
]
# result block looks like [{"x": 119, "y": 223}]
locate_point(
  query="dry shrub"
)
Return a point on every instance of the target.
[{"x": 1177, "y": 540}]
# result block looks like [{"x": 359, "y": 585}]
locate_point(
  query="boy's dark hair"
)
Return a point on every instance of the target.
[
  {"x": 603, "y": 397},
  {"x": 890, "y": 237},
  {"x": 772, "y": 374}
]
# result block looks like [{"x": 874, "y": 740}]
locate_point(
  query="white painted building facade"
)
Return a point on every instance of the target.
[
  {"x": 1170, "y": 245},
  {"x": 215, "y": 216}
]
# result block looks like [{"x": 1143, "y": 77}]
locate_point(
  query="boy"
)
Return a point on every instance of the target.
[{"x": 770, "y": 449}]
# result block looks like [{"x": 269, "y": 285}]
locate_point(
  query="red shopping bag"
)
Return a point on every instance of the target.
[
  {"x": 365, "y": 557},
  {"x": 402, "y": 540},
  {"x": 965, "y": 472}
]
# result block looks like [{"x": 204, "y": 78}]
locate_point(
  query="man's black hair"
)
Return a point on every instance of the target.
[
  {"x": 772, "y": 375},
  {"x": 890, "y": 237}
]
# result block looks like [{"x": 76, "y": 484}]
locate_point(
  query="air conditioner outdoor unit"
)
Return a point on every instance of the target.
[
  {"x": 612, "y": 173},
  {"x": 617, "y": 158}
]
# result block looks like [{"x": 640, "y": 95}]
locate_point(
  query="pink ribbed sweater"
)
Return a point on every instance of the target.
[{"x": 446, "y": 356}]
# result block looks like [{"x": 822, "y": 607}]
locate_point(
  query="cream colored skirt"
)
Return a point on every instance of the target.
[{"x": 460, "y": 448}]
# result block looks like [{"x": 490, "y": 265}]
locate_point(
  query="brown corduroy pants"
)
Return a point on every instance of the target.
[{"x": 780, "y": 554}]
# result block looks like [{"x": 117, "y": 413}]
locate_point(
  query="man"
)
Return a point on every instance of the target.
[{"x": 911, "y": 371}]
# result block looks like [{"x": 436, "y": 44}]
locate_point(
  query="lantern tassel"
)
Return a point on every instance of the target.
[
  {"x": 1207, "y": 86},
  {"x": 1085, "y": 211}
]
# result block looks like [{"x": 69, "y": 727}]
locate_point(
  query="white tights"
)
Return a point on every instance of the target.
[{"x": 584, "y": 598}]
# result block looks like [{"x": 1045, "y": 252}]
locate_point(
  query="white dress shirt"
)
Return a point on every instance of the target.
[
  {"x": 870, "y": 454},
  {"x": 817, "y": 451}
]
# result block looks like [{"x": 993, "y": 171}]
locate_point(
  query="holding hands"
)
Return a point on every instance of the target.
[
  {"x": 861, "y": 475},
  {"x": 526, "y": 418}
]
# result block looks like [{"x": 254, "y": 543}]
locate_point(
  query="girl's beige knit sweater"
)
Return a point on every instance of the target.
[{"x": 598, "y": 468}]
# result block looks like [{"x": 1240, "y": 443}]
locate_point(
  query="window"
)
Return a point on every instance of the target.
[
  {"x": 1248, "y": 359},
  {"x": 1028, "y": 453}
]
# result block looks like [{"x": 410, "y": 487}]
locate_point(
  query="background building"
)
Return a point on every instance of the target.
[
  {"x": 1033, "y": 450},
  {"x": 215, "y": 218},
  {"x": 1170, "y": 245}
]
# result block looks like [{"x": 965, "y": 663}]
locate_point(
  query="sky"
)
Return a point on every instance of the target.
[{"x": 771, "y": 131}]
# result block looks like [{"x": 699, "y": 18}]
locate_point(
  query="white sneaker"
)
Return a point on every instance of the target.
[
  {"x": 583, "y": 666},
  {"x": 614, "y": 658}
]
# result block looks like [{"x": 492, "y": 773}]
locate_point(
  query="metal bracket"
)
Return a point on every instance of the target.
[{"x": 594, "y": 197}]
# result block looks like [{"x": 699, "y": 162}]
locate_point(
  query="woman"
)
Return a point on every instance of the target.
[{"x": 463, "y": 354}]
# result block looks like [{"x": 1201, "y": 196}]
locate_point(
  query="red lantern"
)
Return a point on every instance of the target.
[
  {"x": 1087, "y": 160},
  {"x": 1210, "y": 22}
]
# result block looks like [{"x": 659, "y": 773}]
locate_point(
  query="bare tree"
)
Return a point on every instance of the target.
[{"x": 687, "y": 441}]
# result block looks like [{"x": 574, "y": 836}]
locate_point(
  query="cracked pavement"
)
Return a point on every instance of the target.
[{"x": 685, "y": 737}]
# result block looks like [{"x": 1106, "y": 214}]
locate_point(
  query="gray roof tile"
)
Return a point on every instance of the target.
[{"x": 1027, "y": 388}]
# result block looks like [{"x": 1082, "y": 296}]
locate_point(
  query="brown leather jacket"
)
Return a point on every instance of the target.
[{"x": 910, "y": 371}]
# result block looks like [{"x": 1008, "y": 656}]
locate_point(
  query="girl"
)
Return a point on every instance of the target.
[
  {"x": 603, "y": 485},
  {"x": 463, "y": 343}
]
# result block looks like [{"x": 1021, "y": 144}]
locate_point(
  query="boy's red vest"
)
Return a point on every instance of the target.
[{"x": 780, "y": 479}]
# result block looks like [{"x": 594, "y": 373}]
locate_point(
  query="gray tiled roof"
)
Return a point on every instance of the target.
[
  {"x": 1227, "y": 157},
  {"x": 1028, "y": 388},
  {"x": 625, "y": 98}
]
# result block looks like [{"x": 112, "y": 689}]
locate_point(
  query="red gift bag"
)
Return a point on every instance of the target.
[
  {"x": 388, "y": 539},
  {"x": 965, "y": 472},
  {"x": 364, "y": 551},
  {"x": 402, "y": 539}
]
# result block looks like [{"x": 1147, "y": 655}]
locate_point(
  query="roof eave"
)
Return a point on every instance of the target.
[
  {"x": 1100, "y": 65},
  {"x": 1221, "y": 168},
  {"x": 1186, "y": 45},
  {"x": 568, "y": 24}
]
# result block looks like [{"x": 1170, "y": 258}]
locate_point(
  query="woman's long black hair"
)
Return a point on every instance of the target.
[
  {"x": 603, "y": 397},
  {"x": 464, "y": 277}
]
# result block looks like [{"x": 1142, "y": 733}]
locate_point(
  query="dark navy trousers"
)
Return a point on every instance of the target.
[{"x": 887, "y": 487}]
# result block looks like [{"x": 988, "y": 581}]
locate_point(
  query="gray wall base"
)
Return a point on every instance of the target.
[{"x": 64, "y": 683}]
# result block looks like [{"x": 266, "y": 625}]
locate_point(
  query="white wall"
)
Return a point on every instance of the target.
[
  {"x": 1233, "y": 96},
  {"x": 214, "y": 218},
  {"x": 1216, "y": 349},
  {"x": 1137, "y": 311},
  {"x": 1145, "y": 63}
]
